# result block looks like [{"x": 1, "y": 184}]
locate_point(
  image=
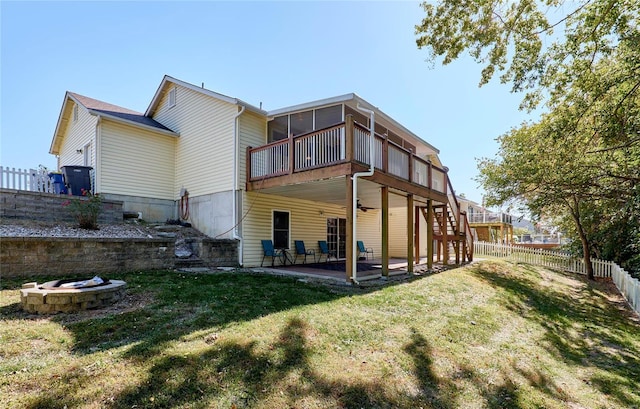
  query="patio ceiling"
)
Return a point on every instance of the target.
[{"x": 333, "y": 191}]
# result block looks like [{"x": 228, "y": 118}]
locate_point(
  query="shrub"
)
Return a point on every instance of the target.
[{"x": 85, "y": 209}]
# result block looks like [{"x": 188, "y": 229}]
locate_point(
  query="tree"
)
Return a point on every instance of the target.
[
  {"x": 510, "y": 37},
  {"x": 581, "y": 160}
]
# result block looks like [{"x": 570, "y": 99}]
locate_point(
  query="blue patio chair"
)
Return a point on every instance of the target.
[
  {"x": 269, "y": 251},
  {"x": 302, "y": 251},
  {"x": 324, "y": 251},
  {"x": 364, "y": 250}
]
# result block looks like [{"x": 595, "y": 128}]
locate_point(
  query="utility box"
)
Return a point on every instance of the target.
[{"x": 77, "y": 178}]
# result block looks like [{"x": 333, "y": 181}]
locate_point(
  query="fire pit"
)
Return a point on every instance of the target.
[{"x": 70, "y": 295}]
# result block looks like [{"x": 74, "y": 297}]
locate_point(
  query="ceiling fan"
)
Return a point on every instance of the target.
[{"x": 361, "y": 207}]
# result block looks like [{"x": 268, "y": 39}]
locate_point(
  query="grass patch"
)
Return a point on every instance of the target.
[{"x": 487, "y": 335}]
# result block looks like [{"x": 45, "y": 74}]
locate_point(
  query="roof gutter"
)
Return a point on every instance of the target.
[
  {"x": 354, "y": 201},
  {"x": 236, "y": 149}
]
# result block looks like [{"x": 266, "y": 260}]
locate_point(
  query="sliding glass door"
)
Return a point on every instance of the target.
[{"x": 337, "y": 236}]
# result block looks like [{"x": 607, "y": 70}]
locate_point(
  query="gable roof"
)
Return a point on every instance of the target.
[
  {"x": 103, "y": 109},
  {"x": 168, "y": 79}
]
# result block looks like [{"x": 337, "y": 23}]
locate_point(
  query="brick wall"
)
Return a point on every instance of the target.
[
  {"x": 21, "y": 204},
  {"x": 61, "y": 256}
]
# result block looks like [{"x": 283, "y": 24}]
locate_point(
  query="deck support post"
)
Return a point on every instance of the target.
[
  {"x": 445, "y": 237},
  {"x": 430, "y": 234},
  {"x": 384, "y": 192},
  {"x": 464, "y": 249},
  {"x": 410, "y": 250},
  {"x": 416, "y": 241},
  {"x": 349, "y": 138}
]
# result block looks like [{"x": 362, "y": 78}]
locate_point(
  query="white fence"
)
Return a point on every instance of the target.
[
  {"x": 22, "y": 179},
  {"x": 627, "y": 285}
]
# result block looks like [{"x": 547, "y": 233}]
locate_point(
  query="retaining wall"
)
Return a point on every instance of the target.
[
  {"x": 61, "y": 256},
  {"x": 49, "y": 207},
  {"x": 218, "y": 253}
]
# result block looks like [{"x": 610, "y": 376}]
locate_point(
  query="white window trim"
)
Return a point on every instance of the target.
[{"x": 75, "y": 113}]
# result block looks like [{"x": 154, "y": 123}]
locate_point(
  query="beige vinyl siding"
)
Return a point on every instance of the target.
[
  {"x": 77, "y": 135},
  {"x": 136, "y": 162},
  {"x": 252, "y": 132},
  {"x": 204, "y": 150},
  {"x": 398, "y": 233},
  {"x": 307, "y": 223},
  {"x": 369, "y": 226}
]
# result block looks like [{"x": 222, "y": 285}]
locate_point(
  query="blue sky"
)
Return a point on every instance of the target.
[{"x": 277, "y": 53}]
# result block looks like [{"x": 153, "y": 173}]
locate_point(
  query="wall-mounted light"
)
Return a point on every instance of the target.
[{"x": 78, "y": 150}]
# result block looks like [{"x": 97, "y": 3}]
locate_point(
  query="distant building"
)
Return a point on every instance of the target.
[{"x": 486, "y": 225}]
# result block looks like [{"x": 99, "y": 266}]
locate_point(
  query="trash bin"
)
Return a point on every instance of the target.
[
  {"x": 58, "y": 183},
  {"x": 77, "y": 178}
]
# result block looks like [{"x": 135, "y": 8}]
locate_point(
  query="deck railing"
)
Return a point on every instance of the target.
[
  {"x": 319, "y": 149},
  {"x": 628, "y": 286},
  {"x": 270, "y": 160},
  {"x": 490, "y": 217},
  {"x": 23, "y": 179},
  {"x": 361, "y": 144},
  {"x": 327, "y": 147}
]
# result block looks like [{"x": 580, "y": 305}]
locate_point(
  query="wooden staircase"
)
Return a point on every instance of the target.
[{"x": 451, "y": 230}]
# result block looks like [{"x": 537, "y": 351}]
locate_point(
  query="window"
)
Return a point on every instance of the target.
[
  {"x": 75, "y": 112},
  {"x": 172, "y": 97},
  {"x": 277, "y": 128},
  {"x": 280, "y": 229},
  {"x": 325, "y": 117},
  {"x": 301, "y": 122}
]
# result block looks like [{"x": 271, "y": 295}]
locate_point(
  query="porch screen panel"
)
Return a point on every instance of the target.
[
  {"x": 398, "y": 162},
  {"x": 280, "y": 229},
  {"x": 326, "y": 117},
  {"x": 277, "y": 129},
  {"x": 438, "y": 180},
  {"x": 358, "y": 117},
  {"x": 301, "y": 123},
  {"x": 420, "y": 172}
]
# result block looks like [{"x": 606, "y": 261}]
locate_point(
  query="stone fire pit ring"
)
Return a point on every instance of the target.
[{"x": 43, "y": 299}]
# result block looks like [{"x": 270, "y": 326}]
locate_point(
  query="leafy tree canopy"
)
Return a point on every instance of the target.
[
  {"x": 581, "y": 160},
  {"x": 519, "y": 39}
]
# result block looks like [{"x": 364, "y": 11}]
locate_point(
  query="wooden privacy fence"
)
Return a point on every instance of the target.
[
  {"x": 627, "y": 285},
  {"x": 21, "y": 179}
]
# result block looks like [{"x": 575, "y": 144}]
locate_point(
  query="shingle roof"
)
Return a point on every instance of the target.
[{"x": 117, "y": 111}]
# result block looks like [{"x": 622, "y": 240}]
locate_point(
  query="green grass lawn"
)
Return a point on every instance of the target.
[{"x": 489, "y": 335}]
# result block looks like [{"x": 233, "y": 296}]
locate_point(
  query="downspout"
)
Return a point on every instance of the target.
[
  {"x": 96, "y": 168},
  {"x": 354, "y": 247},
  {"x": 236, "y": 148}
]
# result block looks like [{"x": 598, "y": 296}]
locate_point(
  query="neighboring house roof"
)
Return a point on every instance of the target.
[
  {"x": 168, "y": 79},
  {"x": 354, "y": 99},
  {"x": 104, "y": 109}
]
